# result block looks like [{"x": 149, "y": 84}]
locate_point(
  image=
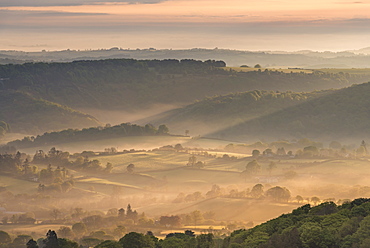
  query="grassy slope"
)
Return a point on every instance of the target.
[{"x": 27, "y": 114}]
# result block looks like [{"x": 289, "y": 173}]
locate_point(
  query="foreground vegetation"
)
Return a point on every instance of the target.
[{"x": 325, "y": 225}]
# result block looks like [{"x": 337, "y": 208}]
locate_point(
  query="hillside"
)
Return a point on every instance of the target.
[
  {"x": 116, "y": 88},
  {"x": 221, "y": 112},
  {"x": 341, "y": 115},
  {"x": 26, "y": 114},
  {"x": 326, "y": 225}
]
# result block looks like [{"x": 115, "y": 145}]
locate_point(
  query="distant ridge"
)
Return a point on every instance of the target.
[{"x": 305, "y": 58}]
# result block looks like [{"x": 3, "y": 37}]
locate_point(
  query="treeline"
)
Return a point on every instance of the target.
[
  {"x": 92, "y": 133},
  {"x": 276, "y": 194}
]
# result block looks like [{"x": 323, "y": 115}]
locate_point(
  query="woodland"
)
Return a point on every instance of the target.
[{"x": 154, "y": 152}]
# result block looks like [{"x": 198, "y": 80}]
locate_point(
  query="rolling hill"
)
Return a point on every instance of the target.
[
  {"x": 26, "y": 114},
  {"x": 341, "y": 115},
  {"x": 322, "y": 115},
  {"x": 221, "y": 112},
  {"x": 116, "y": 88}
]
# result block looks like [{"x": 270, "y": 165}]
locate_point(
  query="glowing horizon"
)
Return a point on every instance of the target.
[{"x": 185, "y": 20}]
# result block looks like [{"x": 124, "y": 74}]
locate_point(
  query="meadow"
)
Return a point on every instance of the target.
[{"x": 163, "y": 183}]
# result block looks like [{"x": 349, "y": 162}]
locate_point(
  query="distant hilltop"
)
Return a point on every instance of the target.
[{"x": 302, "y": 59}]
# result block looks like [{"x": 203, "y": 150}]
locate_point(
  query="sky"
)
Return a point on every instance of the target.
[{"x": 320, "y": 25}]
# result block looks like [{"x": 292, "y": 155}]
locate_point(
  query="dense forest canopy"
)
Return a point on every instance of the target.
[{"x": 325, "y": 225}]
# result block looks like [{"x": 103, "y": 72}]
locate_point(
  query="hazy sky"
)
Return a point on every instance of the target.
[{"x": 34, "y": 25}]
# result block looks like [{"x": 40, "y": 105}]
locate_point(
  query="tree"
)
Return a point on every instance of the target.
[
  {"x": 93, "y": 221},
  {"x": 172, "y": 220},
  {"x": 192, "y": 160},
  {"x": 299, "y": 198},
  {"x": 121, "y": 214},
  {"x": 257, "y": 66},
  {"x": 178, "y": 147},
  {"x": 79, "y": 229},
  {"x": 32, "y": 244},
  {"x": 51, "y": 240},
  {"x": 310, "y": 151},
  {"x": 315, "y": 200},
  {"x": 90, "y": 241},
  {"x": 108, "y": 167},
  {"x": 136, "y": 240},
  {"x": 55, "y": 213},
  {"x": 173, "y": 242},
  {"x": 252, "y": 167},
  {"x": 119, "y": 231},
  {"x": 205, "y": 241},
  {"x": 278, "y": 194},
  {"x": 163, "y": 129},
  {"x": 257, "y": 191},
  {"x": 130, "y": 168},
  {"x": 65, "y": 232},
  {"x": 4, "y": 238},
  {"x": 109, "y": 244},
  {"x": 66, "y": 243},
  {"x": 196, "y": 217},
  {"x": 256, "y": 153},
  {"x": 132, "y": 215}
]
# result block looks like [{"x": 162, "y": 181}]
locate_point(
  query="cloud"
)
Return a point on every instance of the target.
[
  {"x": 351, "y": 2},
  {"x": 39, "y": 3},
  {"x": 5, "y": 14}
]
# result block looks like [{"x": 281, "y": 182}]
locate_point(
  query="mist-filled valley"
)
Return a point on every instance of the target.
[{"x": 182, "y": 153}]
